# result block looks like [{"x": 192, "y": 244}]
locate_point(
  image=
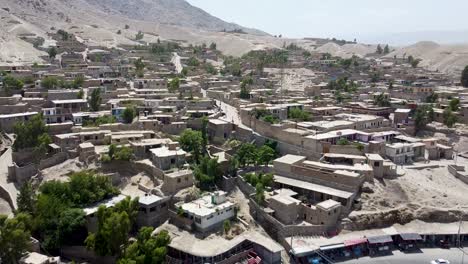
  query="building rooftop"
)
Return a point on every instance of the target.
[
  {"x": 166, "y": 152},
  {"x": 149, "y": 199},
  {"x": 107, "y": 203},
  {"x": 328, "y": 204},
  {"x": 313, "y": 187},
  {"x": 290, "y": 159},
  {"x": 18, "y": 114},
  {"x": 205, "y": 206}
]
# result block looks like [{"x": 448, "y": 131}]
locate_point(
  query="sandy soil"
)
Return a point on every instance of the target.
[
  {"x": 432, "y": 195},
  {"x": 295, "y": 79},
  {"x": 5, "y": 208},
  {"x": 60, "y": 171}
]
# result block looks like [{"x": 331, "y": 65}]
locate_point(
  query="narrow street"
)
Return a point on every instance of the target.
[{"x": 6, "y": 160}]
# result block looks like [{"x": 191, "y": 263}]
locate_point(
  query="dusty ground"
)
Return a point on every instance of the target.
[
  {"x": 59, "y": 171},
  {"x": 432, "y": 195},
  {"x": 5, "y": 208},
  {"x": 129, "y": 185},
  {"x": 295, "y": 79}
]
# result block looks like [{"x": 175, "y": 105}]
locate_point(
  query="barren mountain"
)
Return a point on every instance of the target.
[{"x": 98, "y": 21}]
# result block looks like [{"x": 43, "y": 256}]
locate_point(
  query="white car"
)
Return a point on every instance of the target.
[{"x": 440, "y": 261}]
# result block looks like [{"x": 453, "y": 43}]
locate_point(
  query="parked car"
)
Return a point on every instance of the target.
[{"x": 440, "y": 261}]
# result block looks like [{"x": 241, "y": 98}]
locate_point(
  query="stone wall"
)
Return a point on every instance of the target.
[
  {"x": 245, "y": 188},
  {"x": 459, "y": 172},
  {"x": 81, "y": 254},
  {"x": 279, "y": 231},
  {"x": 4, "y": 194},
  {"x": 22, "y": 174}
]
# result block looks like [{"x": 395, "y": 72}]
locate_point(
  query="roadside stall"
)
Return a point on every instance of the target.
[
  {"x": 333, "y": 251},
  {"x": 408, "y": 241},
  {"x": 355, "y": 248},
  {"x": 379, "y": 245}
]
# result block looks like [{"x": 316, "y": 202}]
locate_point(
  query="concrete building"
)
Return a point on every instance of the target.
[
  {"x": 167, "y": 157},
  {"x": 153, "y": 210},
  {"x": 210, "y": 211},
  {"x": 177, "y": 180},
  {"x": 400, "y": 153},
  {"x": 7, "y": 122}
]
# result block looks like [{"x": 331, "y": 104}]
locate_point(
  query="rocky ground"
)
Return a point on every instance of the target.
[{"x": 432, "y": 195}]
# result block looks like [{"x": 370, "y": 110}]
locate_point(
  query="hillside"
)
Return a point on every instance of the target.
[{"x": 97, "y": 23}]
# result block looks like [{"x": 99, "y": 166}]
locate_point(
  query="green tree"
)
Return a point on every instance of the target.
[
  {"x": 213, "y": 46},
  {"x": 95, "y": 100},
  {"x": 422, "y": 117},
  {"x": 26, "y": 199},
  {"x": 233, "y": 166},
  {"x": 454, "y": 104},
  {"x": 139, "y": 67},
  {"x": 379, "y": 49},
  {"x": 50, "y": 82},
  {"x": 207, "y": 172},
  {"x": 184, "y": 72},
  {"x": 432, "y": 98},
  {"x": 112, "y": 234},
  {"x": 147, "y": 248},
  {"x": 31, "y": 134},
  {"x": 267, "y": 180},
  {"x": 260, "y": 193},
  {"x": 139, "y": 35},
  {"x": 450, "y": 119},
  {"x": 386, "y": 49},
  {"x": 192, "y": 141},
  {"x": 174, "y": 85},
  {"x": 12, "y": 83},
  {"x": 193, "y": 62},
  {"x": 247, "y": 154},
  {"x": 52, "y": 52},
  {"x": 464, "y": 77},
  {"x": 129, "y": 114},
  {"x": 15, "y": 234},
  {"x": 204, "y": 133},
  {"x": 265, "y": 155},
  {"x": 343, "y": 142},
  {"x": 382, "y": 100},
  {"x": 298, "y": 114},
  {"x": 415, "y": 63},
  {"x": 80, "y": 94},
  {"x": 226, "y": 226},
  {"x": 78, "y": 82}
]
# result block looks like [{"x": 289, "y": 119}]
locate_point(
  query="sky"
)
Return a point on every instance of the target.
[{"x": 367, "y": 20}]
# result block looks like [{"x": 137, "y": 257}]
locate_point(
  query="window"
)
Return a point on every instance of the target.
[
  {"x": 178, "y": 180},
  {"x": 376, "y": 164},
  {"x": 152, "y": 209}
]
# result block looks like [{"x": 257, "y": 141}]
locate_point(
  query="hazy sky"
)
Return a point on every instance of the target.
[{"x": 362, "y": 19}]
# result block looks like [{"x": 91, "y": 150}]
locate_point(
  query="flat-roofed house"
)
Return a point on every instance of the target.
[
  {"x": 167, "y": 157},
  {"x": 7, "y": 122}
]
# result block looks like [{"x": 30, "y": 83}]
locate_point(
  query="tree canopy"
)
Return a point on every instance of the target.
[
  {"x": 32, "y": 134},
  {"x": 464, "y": 77},
  {"x": 95, "y": 100},
  {"x": 129, "y": 114},
  {"x": 114, "y": 225},
  {"x": 147, "y": 248},
  {"x": 15, "y": 234},
  {"x": 192, "y": 141}
]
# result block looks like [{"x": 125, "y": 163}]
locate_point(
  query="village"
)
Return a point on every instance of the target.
[{"x": 278, "y": 156}]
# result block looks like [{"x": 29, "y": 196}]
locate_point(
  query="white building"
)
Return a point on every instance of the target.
[
  {"x": 209, "y": 211},
  {"x": 400, "y": 153}
]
